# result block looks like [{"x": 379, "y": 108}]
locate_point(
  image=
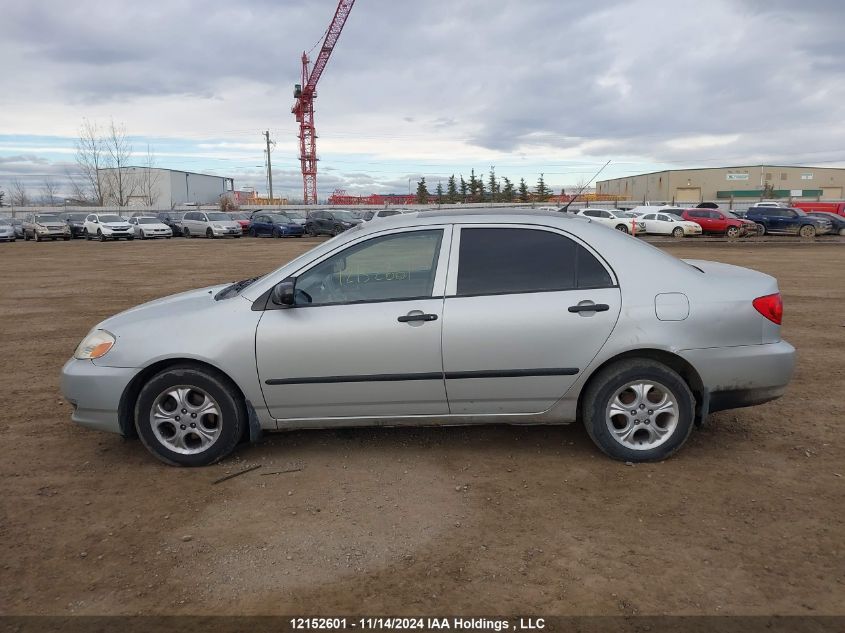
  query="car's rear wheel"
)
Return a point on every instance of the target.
[
  {"x": 807, "y": 230},
  {"x": 622, "y": 227},
  {"x": 190, "y": 416},
  {"x": 638, "y": 410},
  {"x": 761, "y": 229},
  {"x": 678, "y": 231},
  {"x": 733, "y": 231}
]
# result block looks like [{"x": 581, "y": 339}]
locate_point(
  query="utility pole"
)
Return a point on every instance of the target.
[{"x": 269, "y": 166}]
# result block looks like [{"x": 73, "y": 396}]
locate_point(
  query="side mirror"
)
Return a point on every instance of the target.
[{"x": 282, "y": 294}]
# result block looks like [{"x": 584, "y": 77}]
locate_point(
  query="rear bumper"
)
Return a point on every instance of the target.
[
  {"x": 744, "y": 375},
  {"x": 95, "y": 392}
]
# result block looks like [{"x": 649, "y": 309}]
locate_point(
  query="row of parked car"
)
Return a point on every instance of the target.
[
  {"x": 167, "y": 224},
  {"x": 762, "y": 219}
]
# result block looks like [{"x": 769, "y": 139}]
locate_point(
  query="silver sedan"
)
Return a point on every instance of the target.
[{"x": 442, "y": 318}]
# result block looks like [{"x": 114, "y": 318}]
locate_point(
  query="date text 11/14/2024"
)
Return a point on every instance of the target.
[{"x": 418, "y": 624}]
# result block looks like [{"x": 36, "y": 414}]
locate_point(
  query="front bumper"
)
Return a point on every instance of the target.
[
  {"x": 95, "y": 392},
  {"x": 744, "y": 375},
  {"x": 225, "y": 232}
]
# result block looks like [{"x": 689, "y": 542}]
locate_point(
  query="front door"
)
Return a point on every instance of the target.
[
  {"x": 526, "y": 312},
  {"x": 363, "y": 339}
]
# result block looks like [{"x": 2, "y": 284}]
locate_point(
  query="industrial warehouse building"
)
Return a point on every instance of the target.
[
  {"x": 725, "y": 183},
  {"x": 162, "y": 188}
]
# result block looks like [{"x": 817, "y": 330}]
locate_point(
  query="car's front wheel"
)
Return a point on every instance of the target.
[
  {"x": 761, "y": 229},
  {"x": 209, "y": 233},
  {"x": 622, "y": 227},
  {"x": 186, "y": 232},
  {"x": 190, "y": 416},
  {"x": 638, "y": 410},
  {"x": 678, "y": 231},
  {"x": 733, "y": 231},
  {"x": 100, "y": 235}
]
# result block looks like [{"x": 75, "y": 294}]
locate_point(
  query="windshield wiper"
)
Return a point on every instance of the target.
[{"x": 235, "y": 288}]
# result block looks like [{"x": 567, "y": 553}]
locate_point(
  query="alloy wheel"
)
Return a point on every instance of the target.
[
  {"x": 642, "y": 414},
  {"x": 185, "y": 419}
]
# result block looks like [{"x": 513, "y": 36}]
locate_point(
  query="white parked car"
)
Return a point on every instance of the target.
[
  {"x": 665, "y": 223},
  {"x": 147, "y": 227},
  {"x": 106, "y": 226},
  {"x": 210, "y": 224},
  {"x": 614, "y": 219}
]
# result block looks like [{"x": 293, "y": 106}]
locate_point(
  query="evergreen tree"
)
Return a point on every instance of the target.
[
  {"x": 439, "y": 192},
  {"x": 482, "y": 191},
  {"x": 451, "y": 190},
  {"x": 473, "y": 186},
  {"x": 523, "y": 191},
  {"x": 464, "y": 189},
  {"x": 508, "y": 192},
  {"x": 494, "y": 185},
  {"x": 422, "y": 191},
  {"x": 542, "y": 192}
]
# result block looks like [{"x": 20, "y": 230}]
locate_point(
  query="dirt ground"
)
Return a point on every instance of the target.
[{"x": 746, "y": 519}]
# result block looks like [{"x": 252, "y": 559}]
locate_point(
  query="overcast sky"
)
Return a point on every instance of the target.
[{"x": 428, "y": 88}]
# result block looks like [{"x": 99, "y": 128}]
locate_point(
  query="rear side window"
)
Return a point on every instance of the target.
[{"x": 507, "y": 261}]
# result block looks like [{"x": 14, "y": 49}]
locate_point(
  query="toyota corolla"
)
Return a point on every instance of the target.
[{"x": 442, "y": 319}]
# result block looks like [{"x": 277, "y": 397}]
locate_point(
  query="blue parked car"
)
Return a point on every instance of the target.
[
  {"x": 787, "y": 221},
  {"x": 275, "y": 225}
]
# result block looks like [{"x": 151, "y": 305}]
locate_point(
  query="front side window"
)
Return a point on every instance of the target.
[
  {"x": 506, "y": 261},
  {"x": 391, "y": 267}
]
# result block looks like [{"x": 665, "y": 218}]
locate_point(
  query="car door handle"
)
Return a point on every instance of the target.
[
  {"x": 417, "y": 317},
  {"x": 590, "y": 307}
]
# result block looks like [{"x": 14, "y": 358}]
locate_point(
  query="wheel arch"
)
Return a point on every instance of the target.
[
  {"x": 129, "y": 397},
  {"x": 675, "y": 362}
]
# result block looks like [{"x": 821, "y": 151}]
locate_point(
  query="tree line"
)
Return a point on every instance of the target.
[
  {"x": 476, "y": 190},
  {"x": 104, "y": 173}
]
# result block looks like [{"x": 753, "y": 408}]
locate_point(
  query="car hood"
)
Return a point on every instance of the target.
[
  {"x": 154, "y": 225},
  {"x": 182, "y": 304},
  {"x": 52, "y": 225},
  {"x": 116, "y": 225},
  {"x": 226, "y": 224}
]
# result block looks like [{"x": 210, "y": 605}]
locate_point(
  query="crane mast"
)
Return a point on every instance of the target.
[{"x": 306, "y": 92}]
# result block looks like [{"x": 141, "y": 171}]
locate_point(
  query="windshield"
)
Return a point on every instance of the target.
[
  {"x": 344, "y": 215},
  {"x": 218, "y": 217},
  {"x": 75, "y": 217},
  {"x": 240, "y": 216},
  {"x": 279, "y": 218},
  {"x": 148, "y": 221},
  {"x": 296, "y": 215},
  {"x": 47, "y": 218},
  {"x": 236, "y": 288},
  {"x": 111, "y": 218},
  {"x": 5, "y": 222}
]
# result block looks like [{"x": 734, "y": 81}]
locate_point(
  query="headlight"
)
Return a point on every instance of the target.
[
  {"x": 96, "y": 345},
  {"x": 217, "y": 226}
]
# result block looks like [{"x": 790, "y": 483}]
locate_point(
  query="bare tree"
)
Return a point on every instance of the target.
[
  {"x": 20, "y": 196},
  {"x": 121, "y": 183},
  {"x": 78, "y": 192},
  {"x": 2, "y": 195},
  {"x": 150, "y": 178},
  {"x": 92, "y": 158},
  {"x": 49, "y": 190}
]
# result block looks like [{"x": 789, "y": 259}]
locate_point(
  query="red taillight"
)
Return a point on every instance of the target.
[{"x": 770, "y": 306}]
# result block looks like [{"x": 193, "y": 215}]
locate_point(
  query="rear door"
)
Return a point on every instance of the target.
[{"x": 527, "y": 309}]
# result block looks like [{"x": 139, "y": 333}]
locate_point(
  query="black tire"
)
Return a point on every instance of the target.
[
  {"x": 186, "y": 232},
  {"x": 232, "y": 420},
  {"x": 143, "y": 235},
  {"x": 277, "y": 234},
  {"x": 309, "y": 228},
  {"x": 337, "y": 229},
  {"x": 733, "y": 231},
  {"x": 622, "y": 227},
  {"x": 603, "y": 387},
  {"x": 25, "y": 236},
  {"x": 66, "y": 239},
  {"x": 209, "y": 233},
  {"x": 678, "y": 232},
  {"x": 130, "y": 238},
  {"x": 86, "y": 235},
  {"x": 252, "y": 233},
  {"x": 36, "y": 236},
  {"x": 100, "y": 235},
  {"x": 808, "y": 230},
  {"x": 761, "y": 229}
]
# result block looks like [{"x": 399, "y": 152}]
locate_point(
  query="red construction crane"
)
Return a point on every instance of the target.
[{"x": 306, "y": 92}]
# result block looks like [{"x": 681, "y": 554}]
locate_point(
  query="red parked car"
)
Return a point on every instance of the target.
[
  {"x": 243, "y": 219},
  {"x": 720, "y": 222},
  {"x": 837, "y": 208}
]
